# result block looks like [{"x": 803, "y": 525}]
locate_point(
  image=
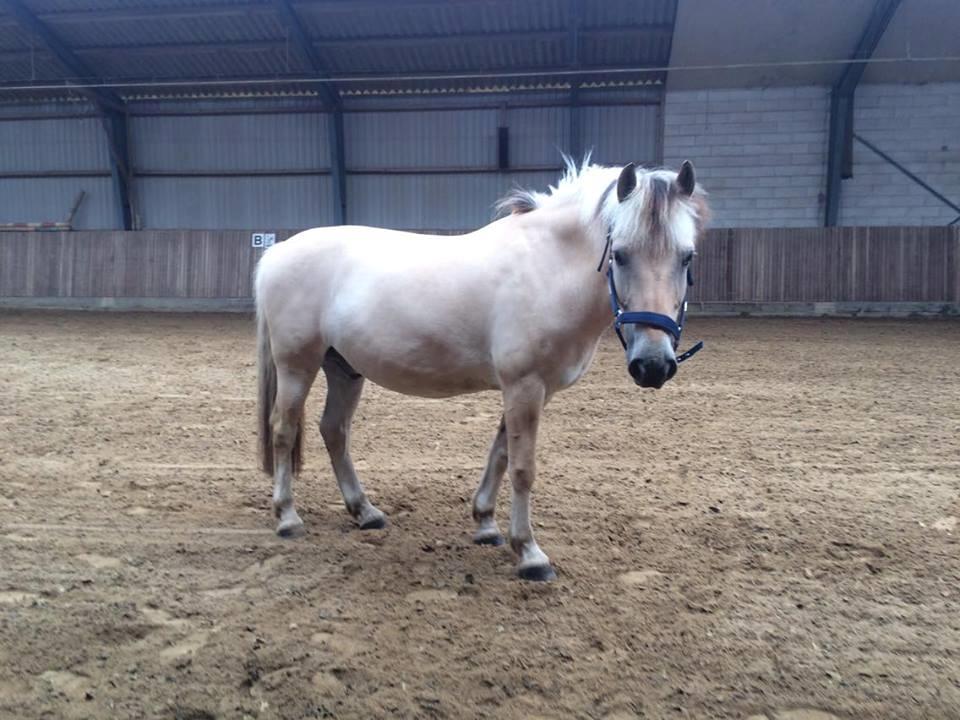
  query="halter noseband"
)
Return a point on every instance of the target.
[{"x": 622, "y": 317}]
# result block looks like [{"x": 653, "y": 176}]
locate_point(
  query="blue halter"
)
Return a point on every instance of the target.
[{"x": 667, "y": 324}]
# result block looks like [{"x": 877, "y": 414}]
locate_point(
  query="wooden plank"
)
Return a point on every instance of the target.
[
  {"x": 749, "y": 265},
  {"x": 15, "y": 275}
]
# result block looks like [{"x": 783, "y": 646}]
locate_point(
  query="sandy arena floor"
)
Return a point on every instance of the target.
[{"x": 775, "y": 531}]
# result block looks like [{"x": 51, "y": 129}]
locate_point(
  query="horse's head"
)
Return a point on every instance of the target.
[{"x": 653, "y": 234}]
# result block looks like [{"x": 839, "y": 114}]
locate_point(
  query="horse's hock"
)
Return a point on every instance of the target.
[{"x": 772, "y": 535}]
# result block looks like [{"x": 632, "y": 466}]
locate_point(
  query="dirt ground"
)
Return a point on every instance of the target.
[{"x": 773, "y": 534}]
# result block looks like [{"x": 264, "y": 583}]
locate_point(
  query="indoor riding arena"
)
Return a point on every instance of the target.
[{"x": 772, "y": 535}]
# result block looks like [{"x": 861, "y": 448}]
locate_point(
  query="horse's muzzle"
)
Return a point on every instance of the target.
[{"x": 652, "y": 373}]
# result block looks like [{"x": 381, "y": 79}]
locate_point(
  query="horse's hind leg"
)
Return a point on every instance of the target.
[
  {"x": 286, "y": 422},
  {"x": 343, "y": 395},
  {"x": 485, "y": 498}
]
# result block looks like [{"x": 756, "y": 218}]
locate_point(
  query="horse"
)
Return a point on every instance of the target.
[{"x": 517, "y": 306}]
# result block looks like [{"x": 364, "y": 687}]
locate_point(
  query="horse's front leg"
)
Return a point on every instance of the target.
[
  {"x": 485, "y": 498},
  {"x": 523, "y": 403}
]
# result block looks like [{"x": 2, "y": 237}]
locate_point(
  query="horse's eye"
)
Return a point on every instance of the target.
[
  {"x": 619, "y": 258},
  {"x": 687, "y": 259}
]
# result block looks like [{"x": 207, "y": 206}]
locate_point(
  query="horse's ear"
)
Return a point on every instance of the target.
[
  {"x": 686, "y": 178},
  {"x": 627, "y": 181}
]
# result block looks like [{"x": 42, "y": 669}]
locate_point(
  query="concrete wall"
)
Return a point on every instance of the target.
[
  {"x": 761, "y": 153},
  {"x": 919, "y": 127}
]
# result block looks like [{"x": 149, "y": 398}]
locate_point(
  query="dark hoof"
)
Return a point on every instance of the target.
[
  {"x": 495, "y": 540},
  {"x": 375, "y": 523},
  {"x": 537, "y": 573}
]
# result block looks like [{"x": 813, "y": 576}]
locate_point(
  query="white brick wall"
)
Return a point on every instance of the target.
[
  {"x": 919, "y": 127},
  {"x": 761, "y": 153}
]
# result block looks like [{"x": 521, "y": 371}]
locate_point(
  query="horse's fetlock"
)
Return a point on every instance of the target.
[
  {"x": 517, "y": 544},
  {"x": 481, "y": 514},
  {"x": 356, "y": 506},
  {"x": 280, "y": 504}
]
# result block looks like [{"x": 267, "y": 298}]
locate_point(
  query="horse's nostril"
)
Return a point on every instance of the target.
[
  {"x": 636, "y": 369},
  {"x": 671, "y": 368}
]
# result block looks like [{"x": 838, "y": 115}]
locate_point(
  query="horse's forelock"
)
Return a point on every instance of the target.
[
  {"x": 650, "y": 213},
  {"x": 657, "y": 207}
]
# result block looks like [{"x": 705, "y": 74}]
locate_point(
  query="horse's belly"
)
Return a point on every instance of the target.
[
  {"x": 425, "y": 369},
  {"x": 430, "y": 385}
]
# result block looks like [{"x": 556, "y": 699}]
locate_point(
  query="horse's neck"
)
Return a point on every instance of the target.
[{"x": 578, "y": 246}]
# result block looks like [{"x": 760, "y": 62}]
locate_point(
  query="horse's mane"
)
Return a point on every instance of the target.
[
  {"x": 521, "y": 200},
  {"x": 645, "y": 214}
]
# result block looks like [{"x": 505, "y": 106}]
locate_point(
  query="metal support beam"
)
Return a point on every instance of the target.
[
  {"x": 575, "y": 140},
  {"x": 115, "y": 125},
  {"x": 109, "y": 105},
  {"x": 338, "y": 167},
  {"x": 103, "y": 99},
  {"x": 662, "y": 104},
  {"x": 331, "y": 98},
  {"x": 304, "y": 46},
  {"x": 840, "y": 139},
  {"x": 841, "y": 112}
]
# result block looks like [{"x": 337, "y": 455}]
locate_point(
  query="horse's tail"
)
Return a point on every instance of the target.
[{"x": 266, "y": 391}]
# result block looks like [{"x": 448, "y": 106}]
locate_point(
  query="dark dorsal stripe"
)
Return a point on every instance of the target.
[{"x": 658, "y": 201}]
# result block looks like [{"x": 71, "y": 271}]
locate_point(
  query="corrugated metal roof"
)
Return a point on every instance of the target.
[
  {"x": 493, "y": 53},
  {"x": 260, "y": 62},
  {"x": 29, "y": 66},
  {"x": 397, "y": 20},
  {"x": 11, "y": 37},
  {"x": 157, "y": 40},
  {"x": 417, "y": 36},
  {"x": 245, "y": 27},
  {"x": 626, "y": 12},
  {"x": 54, "y": 6}
]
